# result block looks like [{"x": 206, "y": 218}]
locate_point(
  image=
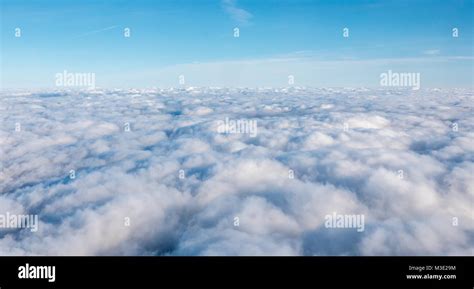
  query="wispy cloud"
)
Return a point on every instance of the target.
[
  {"x": 432, "y": 52},
  {"x": 96, "y": 31},
  {"x": 240, "y": 15},
  {"x": 307, "y": 68}
]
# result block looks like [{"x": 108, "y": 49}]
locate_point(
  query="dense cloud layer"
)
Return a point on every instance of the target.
[{"x": 403, "y": 159}]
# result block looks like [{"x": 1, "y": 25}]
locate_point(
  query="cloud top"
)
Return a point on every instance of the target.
[{"x": 153, "y": 176}]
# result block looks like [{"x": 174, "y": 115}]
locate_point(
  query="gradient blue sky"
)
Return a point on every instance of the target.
[{"x": 277, "y": 38}]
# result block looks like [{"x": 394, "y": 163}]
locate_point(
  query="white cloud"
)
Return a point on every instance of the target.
[
  {"x": 238, "y": 14},
  {"x": 432, "y": 52},
  {"x": 301, "y": 133}
]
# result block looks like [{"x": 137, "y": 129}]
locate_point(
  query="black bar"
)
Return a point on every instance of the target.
[{"x": 239, "y": 272}]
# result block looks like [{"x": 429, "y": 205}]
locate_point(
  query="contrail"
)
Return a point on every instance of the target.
[{"x": 95, "y": 31}]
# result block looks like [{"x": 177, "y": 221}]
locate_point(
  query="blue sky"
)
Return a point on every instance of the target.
[{"x": 277, "y": 38}]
